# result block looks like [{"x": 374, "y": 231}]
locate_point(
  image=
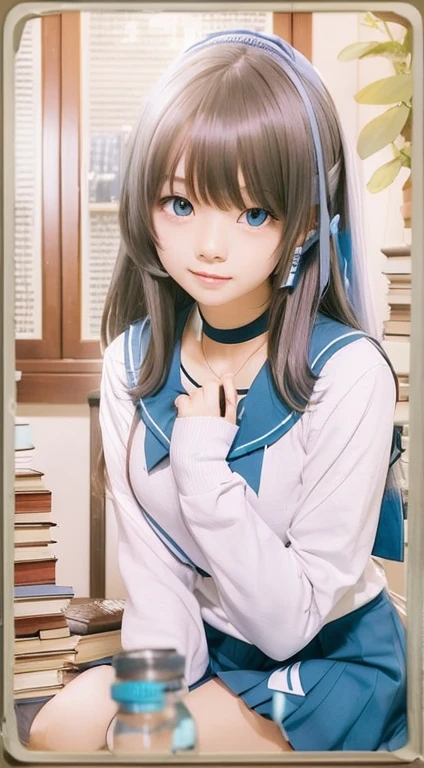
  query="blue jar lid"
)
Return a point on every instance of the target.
[{"x": 149, "y": 694}]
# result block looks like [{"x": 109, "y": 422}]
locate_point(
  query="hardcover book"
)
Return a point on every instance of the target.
[
  {"x": 37, "y": 694},
  {"x": 35, "y": 572},
  {"x": 87, "y": 616},
  {"x": 43, "y": 607},
  {"x": 33, "y": 501},
  {"x": 29, "y": 480},
  {"x": 38, "y": 662},
  {"x": 31, "y": 625},
  {"x": 39, "y": 533},
  {"x": 40, "y": 678},
  {"x": 38, "y": 591},
  {"x": 88, "y": 648}
]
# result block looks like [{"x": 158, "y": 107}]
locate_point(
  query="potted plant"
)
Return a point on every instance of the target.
[{"x": 393, "y": 126}]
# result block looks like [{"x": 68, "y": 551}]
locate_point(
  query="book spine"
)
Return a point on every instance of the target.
[{"x": 35, "y": 572}]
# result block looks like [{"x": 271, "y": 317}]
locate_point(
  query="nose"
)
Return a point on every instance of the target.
[{"x": 212, "y": 236}]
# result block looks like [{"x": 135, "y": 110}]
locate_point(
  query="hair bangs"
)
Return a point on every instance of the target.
[{"x": 232, "y": 141}]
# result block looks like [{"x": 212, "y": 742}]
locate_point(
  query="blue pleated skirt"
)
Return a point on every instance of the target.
[{"x": 346, "y": 690}]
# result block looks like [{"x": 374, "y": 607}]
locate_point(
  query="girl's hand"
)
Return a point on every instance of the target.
[{"x": 205, "y": 401}]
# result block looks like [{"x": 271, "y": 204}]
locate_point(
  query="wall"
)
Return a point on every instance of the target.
[{"x": 61, "y": 434}]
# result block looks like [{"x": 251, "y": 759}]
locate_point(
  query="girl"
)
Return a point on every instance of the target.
[{"x": 246, "y": 528}]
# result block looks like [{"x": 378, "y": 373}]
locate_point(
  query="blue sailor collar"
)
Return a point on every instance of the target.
[{"x": 263, "y": 417}]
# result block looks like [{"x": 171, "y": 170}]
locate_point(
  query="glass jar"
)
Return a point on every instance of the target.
[
  {"x": 184, "y": 736},
  {"x": 150, "y": 689},
  {"x": 145, "y": 722}
]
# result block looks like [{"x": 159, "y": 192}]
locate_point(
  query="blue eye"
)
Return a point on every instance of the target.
[
  {"x": 256, "y": 216},
  {"x": 181, "y": 206}
]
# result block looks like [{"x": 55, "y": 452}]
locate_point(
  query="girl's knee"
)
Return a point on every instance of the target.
[
  {"x": 226, "y": 724},
  {"x": 38, "y": 735},
  {"x": 77, "y": 718}
]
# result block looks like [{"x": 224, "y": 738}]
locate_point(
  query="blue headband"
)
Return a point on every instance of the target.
[{"x": 295, "y": 64}]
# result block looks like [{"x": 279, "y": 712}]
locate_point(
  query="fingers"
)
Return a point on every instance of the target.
[
  {"x": 230, "y": 393},
  {"x": 182, "y": 402},
  {"x": 204, "y": 401},
  {"x": 212, "y": 399}
]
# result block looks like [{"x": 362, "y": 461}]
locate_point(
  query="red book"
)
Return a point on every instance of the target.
[
  {"x": 31, "y": 625},
  {"x": 35, "y": 572},
  {"x": 33, "y": 501}
]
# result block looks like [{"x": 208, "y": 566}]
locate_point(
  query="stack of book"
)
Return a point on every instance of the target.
[
  {"x": 397, "y": 327},
  {"x": 43, "y": 652},
  {"x": 93, "y": 637},
  {"x": 396, "y": 341},
  {"x": 38, "y": 602},
  {"x": 35, "y": 560},
  {"x": 95, "y": 624},
  {"x": 56, "y": 635},
  {"x": 398, "y": 273}
]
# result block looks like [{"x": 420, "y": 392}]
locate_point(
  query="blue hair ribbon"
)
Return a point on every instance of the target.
[{"x": 343, "y": 245}]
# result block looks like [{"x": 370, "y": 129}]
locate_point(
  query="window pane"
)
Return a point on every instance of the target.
[{"x": 28, "y": 270}]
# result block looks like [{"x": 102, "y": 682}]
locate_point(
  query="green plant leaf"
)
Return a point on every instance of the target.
[
  {"x": 370, "y": 20},
  {"x": 388, "y": 90},
  {"x": 407, "y": 40},
  {"x": 384, "y": 175},
  {"x": 382, "y": 130},
  {"x": 407, "y": 128},
  {"x": 406, "y": 149},
  {"x": 405, "y": 157},
  {"x": 356, "y": 50},
  {"x": 392, "y": 49}
]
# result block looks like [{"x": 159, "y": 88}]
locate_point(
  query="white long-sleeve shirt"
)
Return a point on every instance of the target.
[{"x": 282, "y": 562}]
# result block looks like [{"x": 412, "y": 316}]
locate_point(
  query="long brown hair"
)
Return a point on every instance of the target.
[{"x": 229, "y": 108}]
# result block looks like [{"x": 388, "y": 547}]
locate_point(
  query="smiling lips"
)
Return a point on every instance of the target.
[{"x": 210, "y": 278}]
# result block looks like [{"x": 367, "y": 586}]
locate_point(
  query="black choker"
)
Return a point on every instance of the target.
[{"x": 236, "y": 335}]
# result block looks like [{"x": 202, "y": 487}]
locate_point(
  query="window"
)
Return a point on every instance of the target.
[{"x": 88, "y": 73}]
